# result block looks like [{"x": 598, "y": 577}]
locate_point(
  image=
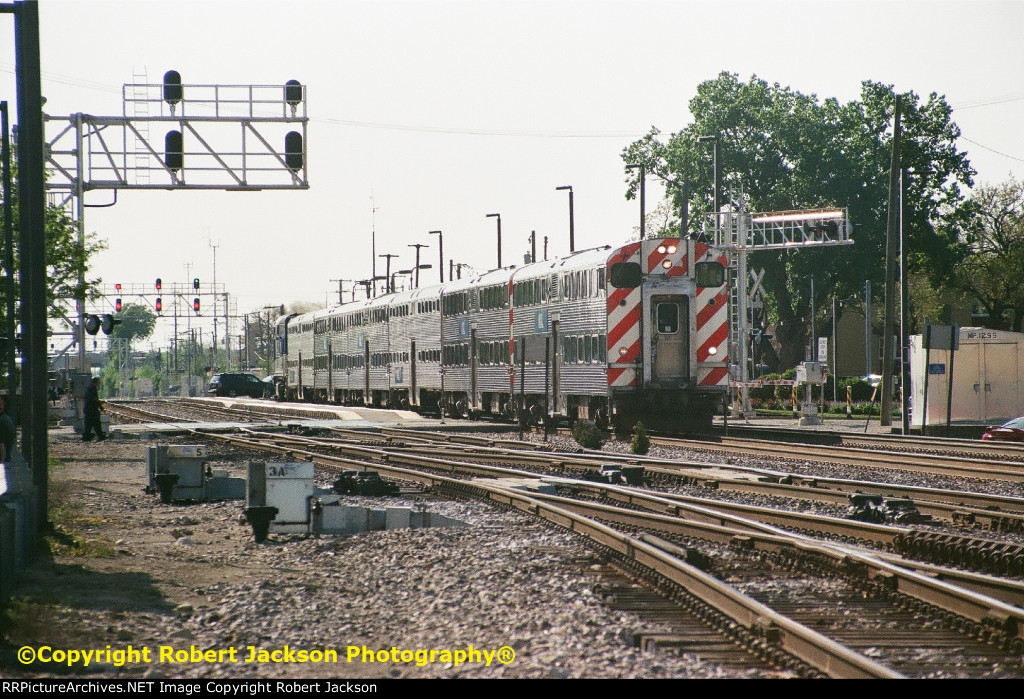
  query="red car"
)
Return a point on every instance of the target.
[{"x": 1012, "y": 431}]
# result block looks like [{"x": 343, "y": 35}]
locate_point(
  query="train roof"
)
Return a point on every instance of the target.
[{"x": 582, "y": 259}]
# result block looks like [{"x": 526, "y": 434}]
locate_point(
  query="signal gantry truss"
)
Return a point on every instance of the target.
[{"x": 174, "y": 136}]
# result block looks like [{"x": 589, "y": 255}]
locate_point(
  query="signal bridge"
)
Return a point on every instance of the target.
[
  {"x": 206, "y": 136},
  {"x": 740, "y": 232}
]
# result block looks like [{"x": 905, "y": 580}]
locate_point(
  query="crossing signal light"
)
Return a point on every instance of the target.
[
  {"x": 159, "y": 284},
  {"x": 117, "y": 305},
  {"x": 195, "y": 304},
  {"x": 195, "y": 283},
  {"x": 159, "y": 305}
]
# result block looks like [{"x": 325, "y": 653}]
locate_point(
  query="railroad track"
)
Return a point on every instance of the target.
[
  {"x": 971, "y": 448},
  {"x": 773, "y": 637},
  {"x": 612, "y": 518},
  {"x": 932, "y": 464}
]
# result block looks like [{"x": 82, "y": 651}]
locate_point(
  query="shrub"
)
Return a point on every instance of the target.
[
  {"x": 587, "y": 435},
  {"x": 640, "y": 442}
]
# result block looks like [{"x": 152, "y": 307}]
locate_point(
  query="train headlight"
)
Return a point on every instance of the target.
[
  {"x": 622, "y": 351},
  {"x": 671, "y": 249},
  {"x": 712, "y": 350},
  {"x": 667, "y": 264},
  {"x": 661, "y": 249}
]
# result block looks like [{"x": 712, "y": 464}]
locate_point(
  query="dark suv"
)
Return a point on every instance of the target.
[{"x": 235, "y": 385}]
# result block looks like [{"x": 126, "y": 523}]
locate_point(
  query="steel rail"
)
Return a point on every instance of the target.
[
  {"x": 976, "y": 607},
  {"x": 998, "y": 511},
  {"x": 889, "y": 460},
  {"x": 948, "y": 445},
  {"x": 809, "y": 646}
]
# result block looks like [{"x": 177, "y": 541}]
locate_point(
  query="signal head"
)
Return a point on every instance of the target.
[
  {"x": 195, "y": 304},
  {"x": 159, "y": 305},
  {"x": 117, "y": 305}
]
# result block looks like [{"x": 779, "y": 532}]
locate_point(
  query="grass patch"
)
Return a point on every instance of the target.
[{"x": 70, "y": 522}]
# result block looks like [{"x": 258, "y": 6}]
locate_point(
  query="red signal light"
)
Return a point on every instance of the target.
[
  {"x": 118, "y": 287},
  {"x": 159, "y": 283},
  {"x": 117, "y": 304},
  {"x": 195, "y": 304},
  {"x": 159, "y": 305}
]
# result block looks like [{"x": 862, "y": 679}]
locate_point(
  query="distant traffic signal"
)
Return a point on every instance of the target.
[
  {"x": 195, "y": 304},
  {"x": 117, "y": 305},
  {"x": 159, "y": 284},
  {"x": 159, "y": 305},
  {"x": 195, "y": 283}
]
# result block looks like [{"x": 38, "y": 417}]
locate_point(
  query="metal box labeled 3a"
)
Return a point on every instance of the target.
[{"x": 287, "y": 486}]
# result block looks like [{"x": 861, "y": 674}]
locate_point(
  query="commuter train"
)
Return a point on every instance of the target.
[{"x": 613, "y": 335}]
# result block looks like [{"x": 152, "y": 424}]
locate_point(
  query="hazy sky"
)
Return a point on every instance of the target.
[{"x": 447, "y": 111}]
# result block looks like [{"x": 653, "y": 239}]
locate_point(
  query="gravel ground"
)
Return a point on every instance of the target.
[{"x": 130, "y": 572}]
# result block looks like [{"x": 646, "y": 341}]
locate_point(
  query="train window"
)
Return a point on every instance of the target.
[
  {"x": 588, "y": 350},
  {"x": 625, "y": 275},
  {"x": 709, "y": 274},
  {"x": 668, "y": 318},
  {"x": 602, "y": 348}
]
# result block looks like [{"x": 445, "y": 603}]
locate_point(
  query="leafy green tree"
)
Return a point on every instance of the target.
[
  {"x": 137, "y": 322},
  {"x": 67, "y": 259},
  {"x": 786, "y": 150},
  {"x": 989, "y": 264}
]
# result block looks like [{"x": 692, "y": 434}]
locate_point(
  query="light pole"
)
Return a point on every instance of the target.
[
  {"x": 643, "y": 197},
  {"x": 498, "y": 216},
  {"x": 572, "y": 229},
  {"x": 417, "y": 267},
  {"x": 388, "y": 281},
  {"x": 400, "y": 272},
  {"x": 714, "y": 165},
  {"x": 440, "y": 252}
]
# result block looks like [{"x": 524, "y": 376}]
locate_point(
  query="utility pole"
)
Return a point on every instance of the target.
[
  {"x": 214, "y": 338},
  {"x": 643, "y": 197},
  {"x": 440, "y": 253},
  {"x": 891, "y": 261},
  {"x": 498, "y": 216},
  {"x": 341, "y": 299},
  {"x": 867, "y": 328},
  {"x": 373, "y": 242}
]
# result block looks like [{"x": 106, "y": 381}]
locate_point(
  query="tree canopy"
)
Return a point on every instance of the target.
[
  {"x": 988, "y": 259},
  {"x": 67, "y": 259},
  {"x": 136, "y": 322},
  {"x": 785, "y": 150}
]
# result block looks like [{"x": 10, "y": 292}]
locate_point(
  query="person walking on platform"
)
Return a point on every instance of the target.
[{"x": 92, "y": 412}]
